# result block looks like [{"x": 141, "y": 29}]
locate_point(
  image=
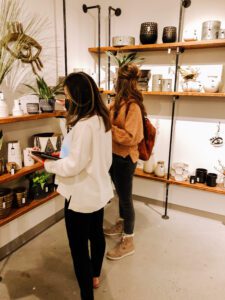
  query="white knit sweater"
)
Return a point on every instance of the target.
[{"x": 83, "y": 170}]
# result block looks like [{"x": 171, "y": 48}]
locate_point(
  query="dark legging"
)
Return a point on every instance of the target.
[
  {"x": 81, "y": 228},
  {"x": 122, "y": 173}
]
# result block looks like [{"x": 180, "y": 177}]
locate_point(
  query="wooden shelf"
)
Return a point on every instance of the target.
[
  {"x": 198, "y": 186},
  {"x": 165, "y": 46},
  {"x": 22, "y": 172},
  {"x": 142, "y": 174},
  {"x": 12, "y": 119},
  {"x": 17, "y": 212},
  {"x": 184, "y": 94}
]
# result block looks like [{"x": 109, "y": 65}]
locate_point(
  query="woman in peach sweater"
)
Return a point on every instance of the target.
[{"x": 126, "y": 114}]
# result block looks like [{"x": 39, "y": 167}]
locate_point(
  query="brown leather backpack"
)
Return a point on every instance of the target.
[{"x": 146, "y": 145}]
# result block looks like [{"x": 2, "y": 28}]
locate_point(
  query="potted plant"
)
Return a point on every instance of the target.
[
  {"x": 46, "y": 94},
  {"x": 123, "y": 59},
  {"x": 39, "y": 184}
]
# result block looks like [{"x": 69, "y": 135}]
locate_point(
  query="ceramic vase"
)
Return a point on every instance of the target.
[{"x": 149, "y": 165}]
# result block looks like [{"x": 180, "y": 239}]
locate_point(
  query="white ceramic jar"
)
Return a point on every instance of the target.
[
  {"x": 211, "y": 85},
  {"x": 191, "y": 86},
  {"x": 149, "y": 165},
  {"x": 4, "y": 112},
  {"x": 160, "y": 170}
]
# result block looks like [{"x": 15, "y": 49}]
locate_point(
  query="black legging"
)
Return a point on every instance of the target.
[
  {"x": 81, "y": 228},
  {"x": 122, "y": 173}
]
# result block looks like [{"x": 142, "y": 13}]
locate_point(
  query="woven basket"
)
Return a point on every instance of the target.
[
  {"x": 21, "y": 196},
  {"x": 6, "y": 198}
]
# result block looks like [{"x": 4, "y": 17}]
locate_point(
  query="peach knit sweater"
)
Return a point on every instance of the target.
[{"x": 127, "y": 130}]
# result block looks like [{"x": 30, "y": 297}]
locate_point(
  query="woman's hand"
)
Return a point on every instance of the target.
[{"x": 37, "y": 159}]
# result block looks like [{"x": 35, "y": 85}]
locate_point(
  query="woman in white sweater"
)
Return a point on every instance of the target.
[{"x": 83, "y": 177}]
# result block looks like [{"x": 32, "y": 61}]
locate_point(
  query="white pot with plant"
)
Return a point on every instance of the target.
[
  {"x": 190, "y": 83},
  {"x": 46, "y": 94}
]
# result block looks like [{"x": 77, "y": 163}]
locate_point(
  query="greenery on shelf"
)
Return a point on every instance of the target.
[
  {"x": 39, "y": 179},
  {"x": 123, "y": 59},
  {"x": 43, "y": 90}
]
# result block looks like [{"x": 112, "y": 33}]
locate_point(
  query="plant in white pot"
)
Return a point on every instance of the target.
[{"x": 46, "y": 94}]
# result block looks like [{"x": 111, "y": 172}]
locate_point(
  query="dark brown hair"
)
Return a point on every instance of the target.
[
  {"x": 127, "y": 89},
  {"x": 85, "y": 101}
]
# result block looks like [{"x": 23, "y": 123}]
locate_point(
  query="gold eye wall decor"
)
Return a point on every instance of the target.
[{"x": 22, "y": 46}]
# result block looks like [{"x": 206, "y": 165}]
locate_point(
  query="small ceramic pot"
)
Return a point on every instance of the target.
[
  {"x": 210, "y": 30},
  {"x": 191, "y": 86},
  {"x": 47, "y": 106},
  {"x": 211, "y": 85},
  {"x": 21, "y": 196},
  {"x": 201, "y": 175},
  {"x": 120, "y": 41},
  {"x": 149, "y": 165},
  {"x": 192, "y": 179},
  {"x": 157, "y": 82},
  {"x": 211, "y": 179},
  {"x": 169, "y": 34},
  {"x": 32, "y": 108},
  {"x": 167, "y": 85},
  {"x": 160, "y": 169}
]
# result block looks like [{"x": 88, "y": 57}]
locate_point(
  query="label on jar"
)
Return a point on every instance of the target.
[
  {"x": 23, "y": 200},
  {"x": 46, "y": 189},
  {"x": 12, "y": 171},
  {"x": 3, "y": 205}
]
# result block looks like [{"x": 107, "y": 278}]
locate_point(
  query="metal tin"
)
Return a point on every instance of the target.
[
  {"x": 120, "y": 41},
  {"x": 210, "y": 30},
  {"x": 157, "y": 82}
]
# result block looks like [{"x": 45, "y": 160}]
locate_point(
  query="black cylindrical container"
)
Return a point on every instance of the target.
[
  {"x": 201, "y": 175},
  {"x": 169, "y": 34},
  {"x": 192, "y": 179},
  {"x": 211, "y": 179},
  {"x": 149, "y": 33}
]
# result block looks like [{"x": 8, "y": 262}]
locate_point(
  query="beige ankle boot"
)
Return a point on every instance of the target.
[
  {"x": 124, "y": 248},
  {"x": 116, "y": 229}
]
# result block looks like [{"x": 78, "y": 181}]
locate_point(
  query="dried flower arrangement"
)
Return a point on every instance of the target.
[
  {"x": 189, "y": 73},
  {"x": 221, "y": 168}
]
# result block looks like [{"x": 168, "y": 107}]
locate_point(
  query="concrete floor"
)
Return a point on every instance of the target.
[{"x": 182, "y": 258}]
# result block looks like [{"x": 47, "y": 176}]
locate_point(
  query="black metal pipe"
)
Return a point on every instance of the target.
[
  {"x": 118, "y": 12},
  {"x": 65, "y": 37},
  {"x": 183, "y": 4},
  {"x": 85, "y": 9}
]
